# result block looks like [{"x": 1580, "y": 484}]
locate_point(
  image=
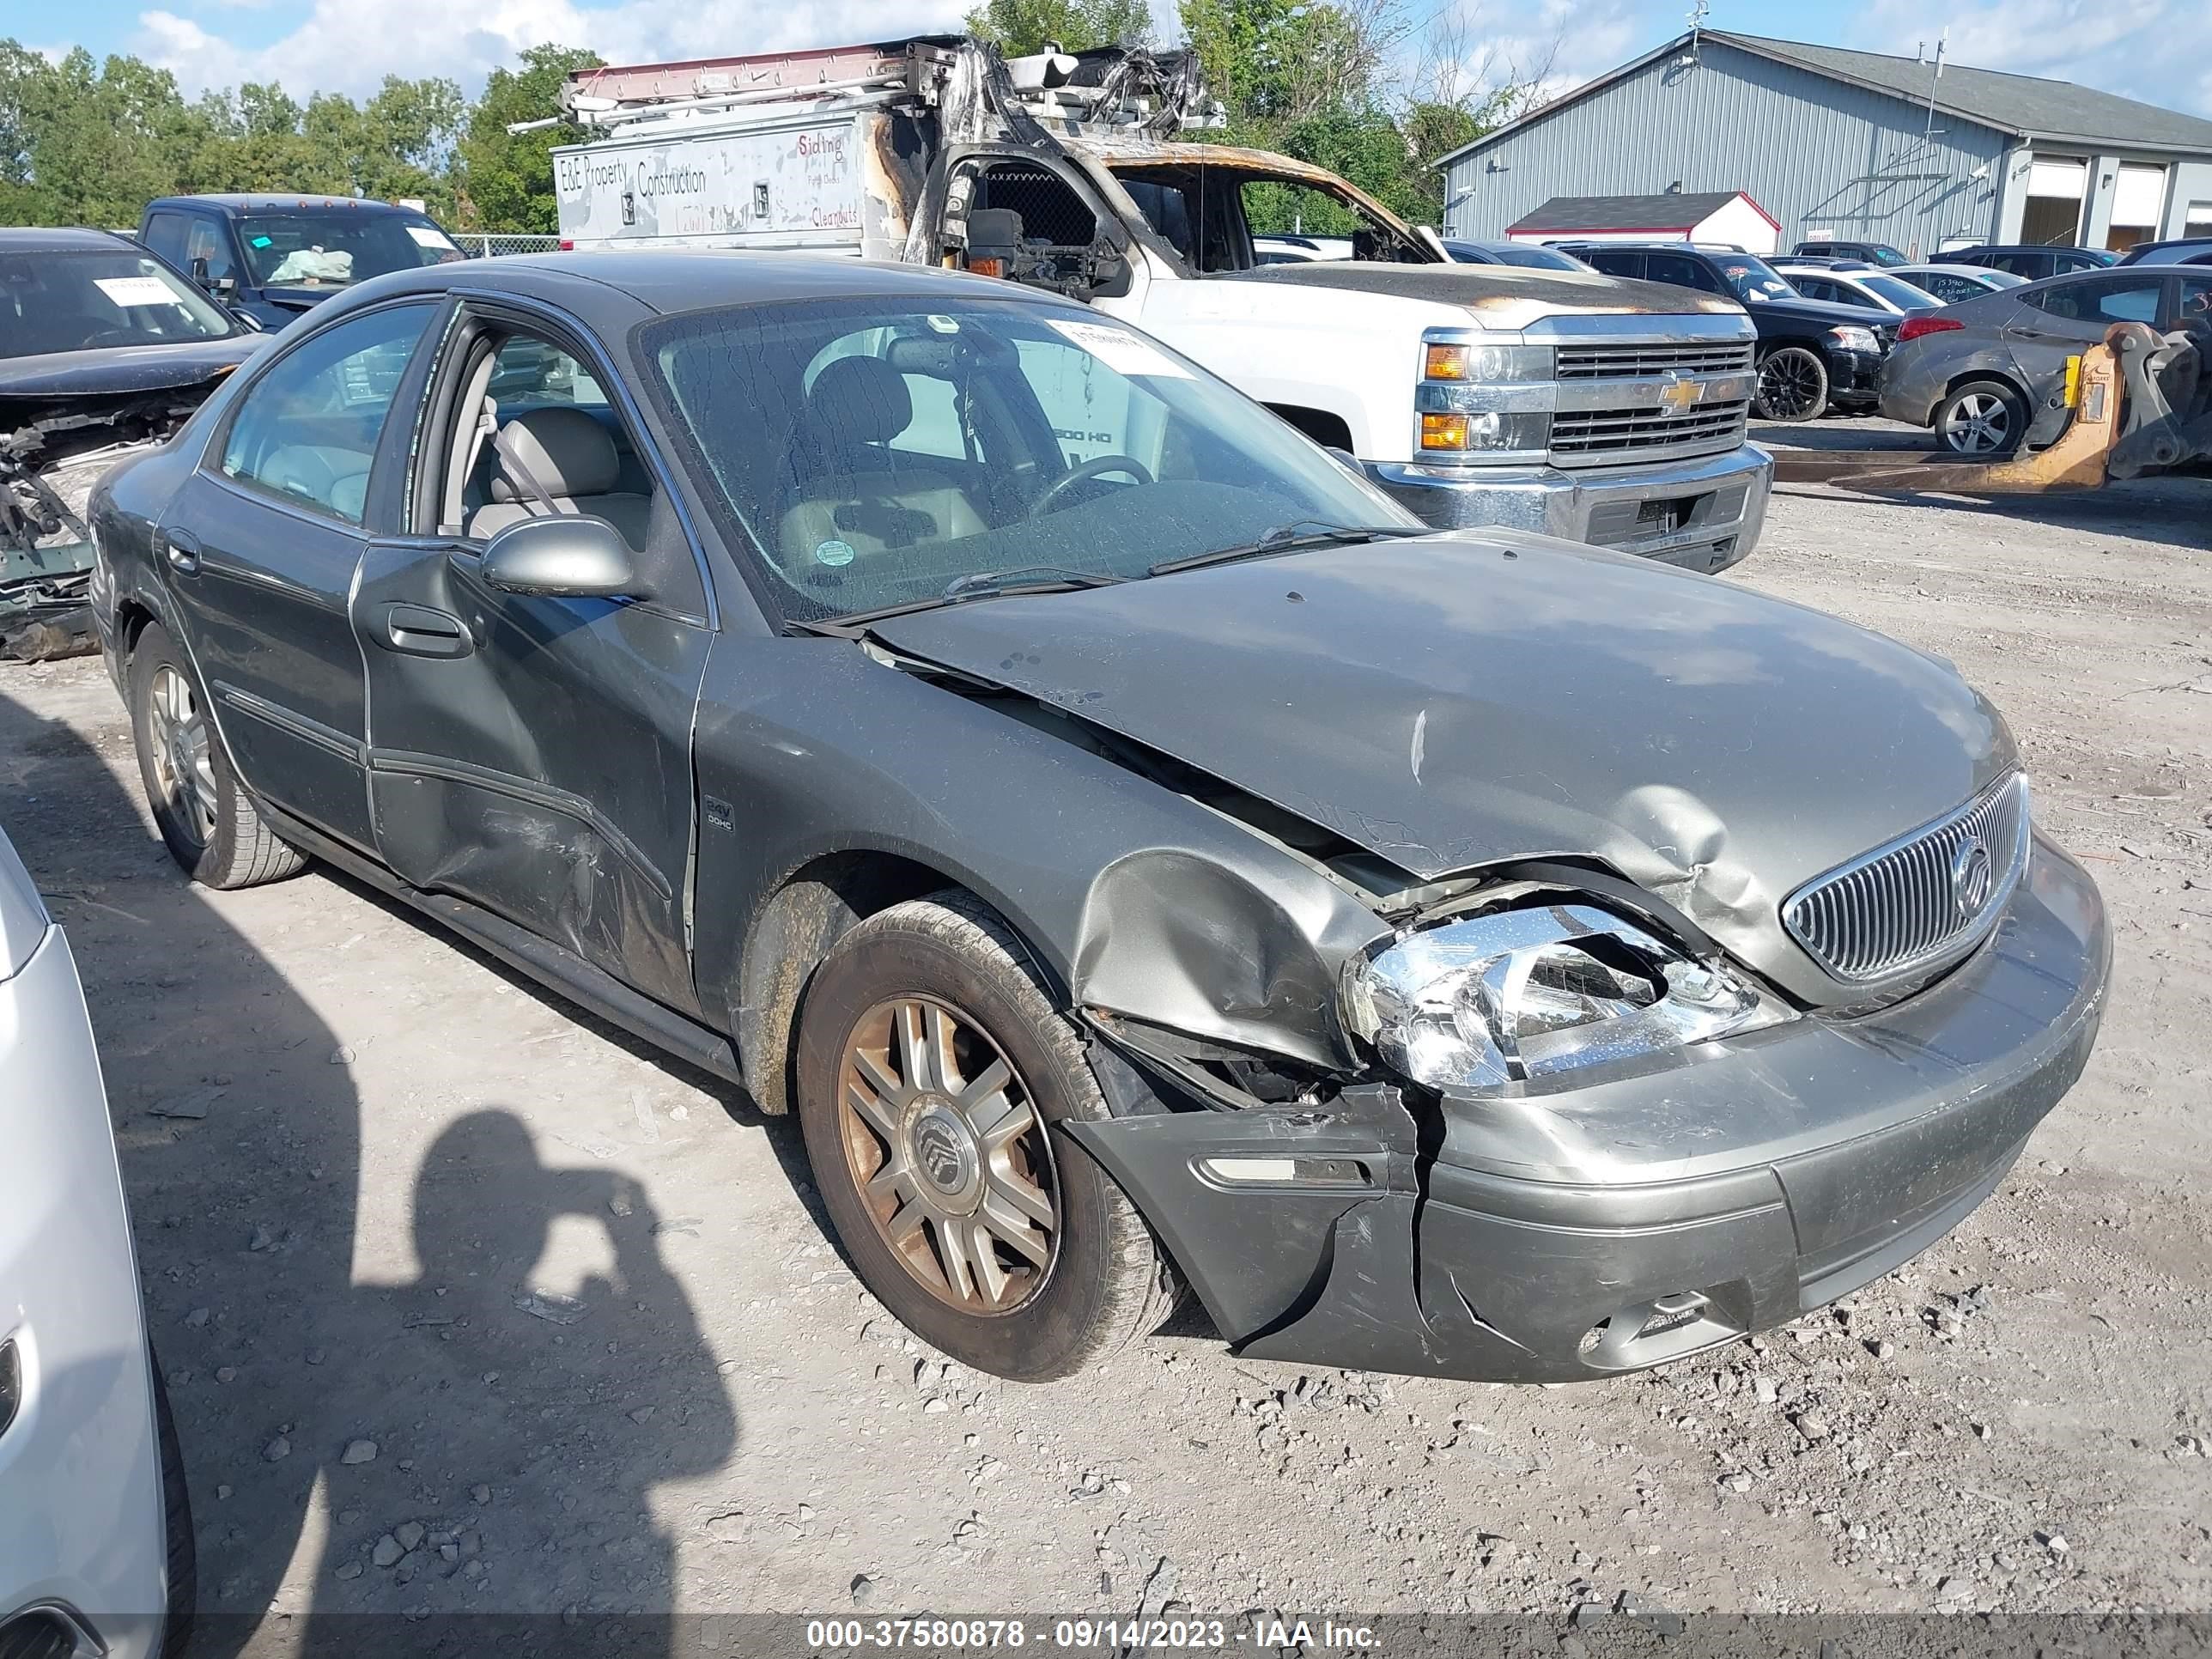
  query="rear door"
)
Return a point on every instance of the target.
[
  {"x": 531, "y": 754},
  {"x": 261, "y": 547}
]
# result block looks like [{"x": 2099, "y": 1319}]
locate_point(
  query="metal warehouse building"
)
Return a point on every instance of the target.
[{"x": 1854, "y": 145}]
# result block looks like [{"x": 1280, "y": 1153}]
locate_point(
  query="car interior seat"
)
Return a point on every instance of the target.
[
  {"x": 849, "y": 494},
  {"x": 549, "y": 461}
]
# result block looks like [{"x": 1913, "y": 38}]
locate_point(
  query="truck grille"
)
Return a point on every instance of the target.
[
  {"x": 1921, "y": 897},
  {"x": 1596, "y": 436},
  {"x": 1629, "y": 362}
]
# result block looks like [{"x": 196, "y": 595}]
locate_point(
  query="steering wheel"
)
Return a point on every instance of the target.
[{"x": 1084, "y": 471}]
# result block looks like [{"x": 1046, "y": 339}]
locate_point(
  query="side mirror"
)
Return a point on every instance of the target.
[{"x": 562, "y": 557}]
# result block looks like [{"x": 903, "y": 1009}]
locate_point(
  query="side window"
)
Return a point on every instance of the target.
[
  {"x": 1846, "y": 294},
  {"x": 1680, "y": 269},
  {"x": 1813, "y": 287},
  {"x": 1945, "y": 287},
  {"x": 2195, "y": 310},
  {"x": 165, "y": 235},
  {"x": 536, "y": 374},
  {"x": 308, "y": 429},
  {"x": 1614, "y": 265},
  {"x": 206, "y": 238}
]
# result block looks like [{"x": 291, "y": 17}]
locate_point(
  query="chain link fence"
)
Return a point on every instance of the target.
[{"x": 485, "y": 245}]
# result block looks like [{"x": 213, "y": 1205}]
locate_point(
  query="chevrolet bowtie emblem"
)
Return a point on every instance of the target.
[{"x": 1679, "y": 394}]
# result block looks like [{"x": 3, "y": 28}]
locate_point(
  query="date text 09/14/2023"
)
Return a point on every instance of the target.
[{"x": 934, "y": 1635}]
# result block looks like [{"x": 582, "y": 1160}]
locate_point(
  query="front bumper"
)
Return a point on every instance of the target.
[
  {"x": 1703, "y": 515},
  {"x": 1632, "y": 1220},
  {"x": 81, "y": 1521},
  {"x": 1854, "y": 378}
]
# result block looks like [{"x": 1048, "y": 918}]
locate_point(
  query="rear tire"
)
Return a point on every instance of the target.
[
  {"x": 966, "y": 1211},
  {"x": 1792, "y": 386},
  {"x": 177, "y": 1524},
  {"x": 1985, "y": 417},
  {"x": 206, "y": 819}
]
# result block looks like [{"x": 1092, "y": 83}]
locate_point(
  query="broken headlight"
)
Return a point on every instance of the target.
[{"x": 1533, "y": 992}]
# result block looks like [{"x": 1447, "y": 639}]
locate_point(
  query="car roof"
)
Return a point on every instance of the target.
[
  {"x": 272, "y": 203},
  {"x": 59, "y": 238},
  {"x": 669, "y": 280}
]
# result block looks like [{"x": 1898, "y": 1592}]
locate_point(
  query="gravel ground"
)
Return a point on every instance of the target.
[{"x": 467, "y": 1303}]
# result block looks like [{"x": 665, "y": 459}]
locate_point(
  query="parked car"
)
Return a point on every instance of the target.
[
  {"x": 1174, "y": 863},
  {"x": 1988, "y": 375},
  {"x": 1952, "y": 283},
  {"x": 1530, "y": 255},
  {"x": 2031, "y": 261},
  {"x": 273, "y": 257},
  {"x": 1813, "y": 356},
  {"x": 1863, "y": 287},
  {"x": 1875, "y": 253},
  {"x": 96, "y": 1549},
  {"x": 104, "y": 349},
  {"x": 2181, "y": 251}
]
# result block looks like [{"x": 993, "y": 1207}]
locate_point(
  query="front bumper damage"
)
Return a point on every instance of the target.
[
  {"x": 1631, "y": 1220},
  {"x": 1701, "y": 514}
]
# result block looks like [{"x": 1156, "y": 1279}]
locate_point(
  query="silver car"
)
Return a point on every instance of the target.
[
  {"x": 1989, "y": 374},
  {"x": 1952, "y": 283},
  {"x": 95, "y": 1531}
]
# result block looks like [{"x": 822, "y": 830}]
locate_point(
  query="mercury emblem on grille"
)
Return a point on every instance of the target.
[{"x": 1972, "y": 877}]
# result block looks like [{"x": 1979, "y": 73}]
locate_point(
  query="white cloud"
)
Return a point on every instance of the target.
[
  {"x": 351, "y": 46},
  {"x": 2152, "y": 49},
  {"x": 1558, "y": 44}
]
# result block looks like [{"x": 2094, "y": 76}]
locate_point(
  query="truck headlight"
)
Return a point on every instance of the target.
[
  {"x": 1532, "y": 993},
  {"x": 1852, "y": 337},
  {"x": 1451, "y": 431}
]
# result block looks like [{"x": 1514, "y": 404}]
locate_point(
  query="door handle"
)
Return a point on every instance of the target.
[
  {"x": 420, "y": 631},
  {"x": 182, "y": 550}
]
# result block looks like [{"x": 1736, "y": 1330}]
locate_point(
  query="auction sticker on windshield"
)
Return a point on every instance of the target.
[
  {"x": 136, "y": 290},
  {"x": 1125, "y": 354},
  {"x": 429, "y": 236}
]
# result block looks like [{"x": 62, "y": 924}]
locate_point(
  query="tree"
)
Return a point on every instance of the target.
[
  {"x": 504, "y": 180},
  {"x": 1019, "y": 27}
]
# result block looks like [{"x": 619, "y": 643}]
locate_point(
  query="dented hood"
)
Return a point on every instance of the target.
[
  {"x": 1459, "y": 700},
  {"x": 33, "y": 388}
]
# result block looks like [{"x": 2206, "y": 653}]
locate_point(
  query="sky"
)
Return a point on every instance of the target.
[{"x": 2160, "y": 51}]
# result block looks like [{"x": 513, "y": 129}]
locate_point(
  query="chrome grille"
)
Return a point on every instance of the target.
[
  {"x": 1915, "y": 900},
  {"x": 1629, "y": 362},
  {"x": 1593, "y": 435}
]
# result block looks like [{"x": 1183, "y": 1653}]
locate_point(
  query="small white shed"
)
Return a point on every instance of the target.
[{"x": 1674, "y": 215}]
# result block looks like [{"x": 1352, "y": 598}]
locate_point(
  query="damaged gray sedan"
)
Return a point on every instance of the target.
[{"x": 1138, "y": 853}]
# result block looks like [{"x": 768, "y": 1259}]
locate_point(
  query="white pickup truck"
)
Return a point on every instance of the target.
[{"x": 1605, "y": 411}]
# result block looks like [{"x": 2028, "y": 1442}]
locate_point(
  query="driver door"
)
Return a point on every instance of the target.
[{"x": 529, "y": 753}]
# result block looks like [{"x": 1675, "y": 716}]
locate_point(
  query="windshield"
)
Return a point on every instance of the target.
[
  {"x": 1750, "y": 278},
  {"x": 874, "y": 455},
  {"x": 71, "y": 301},
  {"x": 1899, "y": 292},
  {"x": 339, "y": 246},
  {"x": 1537, "y": 258}
]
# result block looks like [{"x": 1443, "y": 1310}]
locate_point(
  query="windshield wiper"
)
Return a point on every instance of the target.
[
  {"x": 1028, "y": 577},
  {"x": 976, "y": 585},
  {"x": 1290, "y": 538}
]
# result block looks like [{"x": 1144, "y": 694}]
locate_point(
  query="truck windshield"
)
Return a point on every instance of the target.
[
  {"x": 85, "y": 302},
  {"x": 339, "y": 246},
  {"x": 873, "y": 454}
]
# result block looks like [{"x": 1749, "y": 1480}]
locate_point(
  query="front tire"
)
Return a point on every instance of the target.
[
  {"x": 931, "y": 1071},
  {"x": 1792, "y": 385},
  {"x": 206, "y": 819},
  {"x": 1982, "y": 418}
]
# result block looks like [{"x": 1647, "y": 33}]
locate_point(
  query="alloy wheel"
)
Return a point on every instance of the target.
[
  {"x": 949, "y": 1155},
  {"x": 1788, "y": 386},
  {"x": 184, "y": 765},
  {"x": 1979, "y": 424}
]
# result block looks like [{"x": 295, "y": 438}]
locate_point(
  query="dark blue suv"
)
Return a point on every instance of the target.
[{"x": 271, "y": 258}]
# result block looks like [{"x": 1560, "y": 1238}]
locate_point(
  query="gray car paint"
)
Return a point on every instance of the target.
[
  {"x": 1455, "y": 701},
  {"x": 1442, "y": 704}
]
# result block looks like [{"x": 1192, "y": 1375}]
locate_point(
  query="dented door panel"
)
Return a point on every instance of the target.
[{"x": 532, "y": 755}]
